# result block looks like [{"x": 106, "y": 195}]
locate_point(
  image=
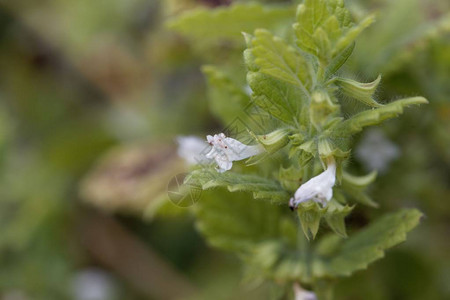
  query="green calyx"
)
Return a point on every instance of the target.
[
  {"x": 362, "y": 92},
  {"x": 274, "y": 141}
]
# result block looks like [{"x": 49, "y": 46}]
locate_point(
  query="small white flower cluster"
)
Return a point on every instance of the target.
[
  {"x": 318, "y": 189},
  {"x": 222, "y": 149},
  {"x": 225, "y": 150}
]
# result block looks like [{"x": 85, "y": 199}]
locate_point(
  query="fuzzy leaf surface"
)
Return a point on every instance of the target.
[
  {"x": 262, "y": 188},
  {"x": 280, "y": 99},
  {"x": 227, "y": 100},
  {"x": 324, "y": 28},
  {"x": 227, "y": 23},
  {"x": 375, "y": 116},
  {"x": 236, "y": 222},
  {"x": 368, "y": 245},
  {"x": 277, "y": 59}
]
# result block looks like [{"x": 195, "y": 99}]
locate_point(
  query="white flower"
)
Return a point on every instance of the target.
[
  {"x": 301, "y": 294},
  {"x": 192, "y": 149},
  {"x": 318, "y": 189},
  {"x": 225, "y": 150}
]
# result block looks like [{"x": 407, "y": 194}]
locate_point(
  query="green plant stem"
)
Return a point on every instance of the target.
[
  {"x": 304, "y": 245},
  {"x": 305, "y": 251}
]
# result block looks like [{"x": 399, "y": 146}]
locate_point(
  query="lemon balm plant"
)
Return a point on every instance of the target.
[{"x": 283, "y": 210}]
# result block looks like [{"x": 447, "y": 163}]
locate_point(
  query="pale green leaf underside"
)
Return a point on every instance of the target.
[
  {"x": 273, "y": 259},
  {"x": 227, "y": 100},
  {"x": 276, "y": 58},
  {"x": 375, "y": 116},
  {"x": 279, "y": 77},
  {"x": 256, "y": 230},
  {"x": 280, "y": 99},
  {"x": 227, "y": 23},
  {"x": 262, "y": 188},
  {"x": 236, "y": 222},
  {"x": 310, "y": 16},
  {"x": 368, "y": 245},
  {"x": 324, "y": 28}
]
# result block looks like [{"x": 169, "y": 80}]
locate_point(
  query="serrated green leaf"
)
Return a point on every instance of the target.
[
  {"x": 368, "y": 245},
  {"x": 276, "y": 261},
  {"x": 272, "y": 56},
  {"x": 338, "y": 9},
  {"x": 324, "y": 28},
  {"x": 262, "y": 188},
  {"x": 227, "y": 100},
  {"x": 310, "y": 16},
  {"x": 236, "y": 222},
  {"x": 226, "y": 23},
  {"x": 277, "y": 59},
  {"x": 375, "y": 116},
  {"x": 280, "y": 99},
  {"x": 257, "y": 231}
]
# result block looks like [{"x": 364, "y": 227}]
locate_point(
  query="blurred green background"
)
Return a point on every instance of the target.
[{"x": 92, "y": 97}]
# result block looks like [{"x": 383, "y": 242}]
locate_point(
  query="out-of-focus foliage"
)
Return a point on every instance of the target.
[
  {"x": 85, "y": 80},
  {"x": 127, "y": 178}
]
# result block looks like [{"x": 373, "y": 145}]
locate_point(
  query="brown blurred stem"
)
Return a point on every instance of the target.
[{"x": 119, "y": 250}]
